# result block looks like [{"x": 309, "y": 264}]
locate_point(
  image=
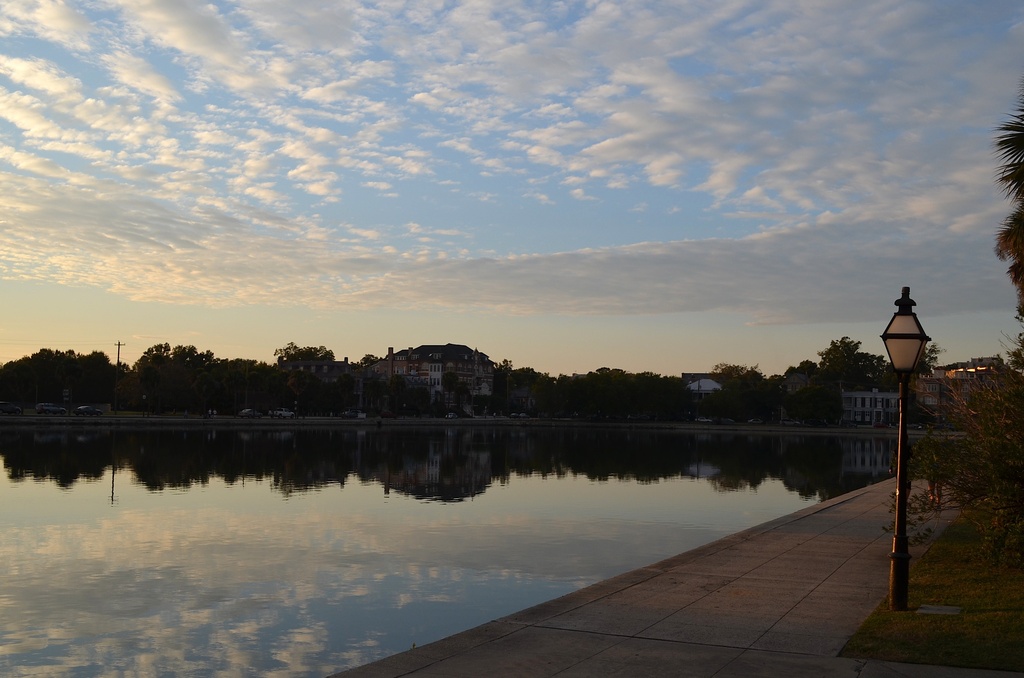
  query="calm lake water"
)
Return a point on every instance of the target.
[{"x": 305, "y": 552}]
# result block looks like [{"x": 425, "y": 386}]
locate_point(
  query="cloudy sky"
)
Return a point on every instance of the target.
[{"x": 643, "y": 184}]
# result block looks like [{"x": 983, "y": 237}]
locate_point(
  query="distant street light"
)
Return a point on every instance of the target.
[{"x": 905, "y": 342}]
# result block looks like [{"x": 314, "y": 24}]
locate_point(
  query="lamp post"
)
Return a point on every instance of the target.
[{"x": 905, "y": 342}]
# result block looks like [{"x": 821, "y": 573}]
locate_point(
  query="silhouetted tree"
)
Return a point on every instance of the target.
[
  {"x": 844, "y": 363},
  {"x": 292, "y": 352},
  {"x": 368, "y": 360}
]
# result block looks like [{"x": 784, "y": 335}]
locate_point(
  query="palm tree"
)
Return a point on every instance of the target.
[
  {"x": 1010, "y": 247},
  {"x": 1010, "y": 237}
]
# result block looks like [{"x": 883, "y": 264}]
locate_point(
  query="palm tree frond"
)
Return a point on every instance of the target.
[
  {"x": 1010, "y": 149},
  {"x": 1010, "y": 237}
]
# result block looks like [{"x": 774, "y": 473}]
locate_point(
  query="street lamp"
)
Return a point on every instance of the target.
[{"x": 905, "y": 342}]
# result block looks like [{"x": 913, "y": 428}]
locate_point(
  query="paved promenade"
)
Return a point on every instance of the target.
[{"x": 779, "y": 599}]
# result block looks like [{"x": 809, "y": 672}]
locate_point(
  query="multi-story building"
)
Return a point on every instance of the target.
[
  {"x": 429, "y": 362},
  {"x": 930, "y": 390},
  {"x": 955, "y": 382},
  {"x": 934, "y": 392},
  {"x": 965, "y": 376},
  {"x": 423, "y": 366},
  {"x": 328, "y": 371},
  {"x": 867, "y": 408}
]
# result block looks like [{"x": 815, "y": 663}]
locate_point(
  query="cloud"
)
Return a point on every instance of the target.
[
  {"x": 300, "y": 27},
  {"x": 742, "y": 157},
  {"x": 136, "y": 73},
  {"x": 51, "y": 20},
  {"x": 201, "y": 32},
  {"x": 41, "y": 76},
  {"x": 187, "y": 587},
  {"x": 160, "y": 255}
]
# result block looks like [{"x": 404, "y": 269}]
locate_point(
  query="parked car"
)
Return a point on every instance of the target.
[
  {"x": 87, "y": 411},
  {"x": 703, "y": 420},
  {"x": 249, "y": 413},
  {"x": 282, "y": 413},
  {"x": 50, "y": 408},
  {"x": 9, "y": 408},
  {"x": 354, "y": 414}
]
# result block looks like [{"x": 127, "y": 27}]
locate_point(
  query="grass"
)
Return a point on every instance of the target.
[{"x": 987, "y": 634}]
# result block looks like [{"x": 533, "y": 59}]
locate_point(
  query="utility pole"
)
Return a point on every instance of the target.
[{"x": 117, "y": 373}]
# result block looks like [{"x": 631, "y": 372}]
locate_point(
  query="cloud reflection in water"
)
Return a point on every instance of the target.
[{"x": 238, "y": 579}]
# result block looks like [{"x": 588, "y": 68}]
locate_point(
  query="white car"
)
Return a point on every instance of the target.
[{"x": 282, "y": 413}]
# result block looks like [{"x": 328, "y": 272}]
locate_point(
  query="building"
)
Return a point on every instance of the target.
[
  {"x": 328, "y": 371},
  {"x": 954, "y": 383},
  {"x": 867, "y": 408},
  {"x": 700, "y": 385},
  {"x": 427, "y": 364},
  {"x": 796, "y": 381},
  {"x": 964, "y": 377}
]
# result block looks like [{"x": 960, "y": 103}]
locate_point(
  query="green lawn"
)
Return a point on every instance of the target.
[{"x": 988, "y": 633}]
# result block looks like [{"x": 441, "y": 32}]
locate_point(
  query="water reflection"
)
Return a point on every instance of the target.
[
  {"x": 446, "y": 464},
  {"x": 304, "y": 552}
]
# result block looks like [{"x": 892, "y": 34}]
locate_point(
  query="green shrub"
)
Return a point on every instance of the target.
[{"x": 981, "y": 467}]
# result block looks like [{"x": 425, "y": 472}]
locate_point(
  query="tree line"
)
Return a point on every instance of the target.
[
  {"x": 332, "y": 457},
  {"x": 185, "y": 379}
]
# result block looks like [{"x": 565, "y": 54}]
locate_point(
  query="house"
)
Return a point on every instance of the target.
[
  {"x": 426, "y": 365},
  {"x": 327, "y": 371},
  {"x": 701, "y": 385},
  {"x": 955, "y": 382},
  {"x": 967, "y": 376},
  {"x": 796, "y": 381},
  {"x": 867, "y": 408}
]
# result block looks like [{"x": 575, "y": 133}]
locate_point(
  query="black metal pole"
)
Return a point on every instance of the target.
[
  {"x": 899, "y": 569},
  {"x": 117, "y": 373}
]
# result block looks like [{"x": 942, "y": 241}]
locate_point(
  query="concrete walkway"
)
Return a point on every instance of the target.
[{"x": 779, "y": 599}]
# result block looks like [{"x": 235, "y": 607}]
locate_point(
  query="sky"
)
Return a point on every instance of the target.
[{"x": 647, "y": 185}]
